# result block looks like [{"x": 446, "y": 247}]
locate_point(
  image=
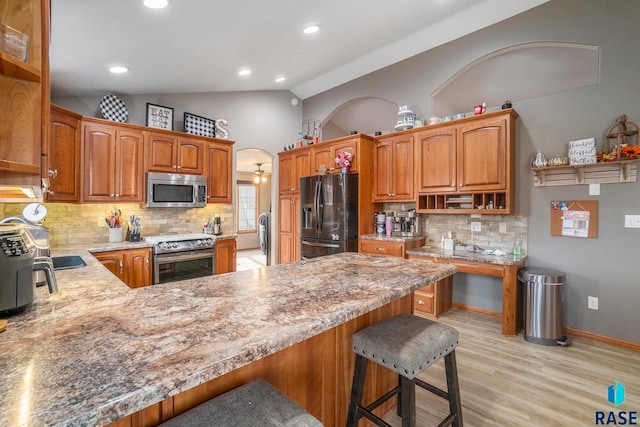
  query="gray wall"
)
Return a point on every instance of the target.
[{"x": 605, "y": 267}]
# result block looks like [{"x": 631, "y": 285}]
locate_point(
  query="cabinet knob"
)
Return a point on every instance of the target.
[
  {"x": 121, "y": 266},
  {"x": 453, "y": 185},
  {"x": 117, "y": 194},
  {"x": 53, "y": 173},
  {"x": 380, "y": 249},
  {"x": 420, "y": 302},
  {"x": 146, "y": 259},
  {"x": 113, "y": 195}
]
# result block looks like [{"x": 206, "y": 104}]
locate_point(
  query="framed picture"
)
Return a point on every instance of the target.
[
  {"x": 159, "y": 117},
  {"x": 197, "y": 125}
]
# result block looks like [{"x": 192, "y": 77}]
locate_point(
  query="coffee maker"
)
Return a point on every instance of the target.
[{"x": 407, "y": 224}]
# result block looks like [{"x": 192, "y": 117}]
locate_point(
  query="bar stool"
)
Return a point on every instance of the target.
[
  {"x": 406, "y": 344},
  {"x": 257, "y": 403}
]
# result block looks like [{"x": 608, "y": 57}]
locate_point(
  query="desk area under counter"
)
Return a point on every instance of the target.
[{"x": 504, "y": 267}]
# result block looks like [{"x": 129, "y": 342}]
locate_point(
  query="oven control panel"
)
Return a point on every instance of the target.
[{"x": 185, "y": 245}]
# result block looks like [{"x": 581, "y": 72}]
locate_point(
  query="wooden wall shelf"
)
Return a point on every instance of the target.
[
  {"x": 597, "y": 173},
  {"x": 13, "y": 67}
]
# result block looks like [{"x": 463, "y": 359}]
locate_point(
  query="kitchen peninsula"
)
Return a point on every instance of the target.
[{"x": 97, "y": 351}]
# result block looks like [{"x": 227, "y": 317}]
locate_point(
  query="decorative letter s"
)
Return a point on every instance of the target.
[{"x": 221, "y": 130}]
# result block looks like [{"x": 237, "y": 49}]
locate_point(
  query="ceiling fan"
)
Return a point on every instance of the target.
[{"x": 260, "y": 177}]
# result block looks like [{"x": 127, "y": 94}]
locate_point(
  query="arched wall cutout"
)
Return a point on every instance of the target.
[
  {"x": 365, "y": 114},
  {"x": 517, "y": 73}
]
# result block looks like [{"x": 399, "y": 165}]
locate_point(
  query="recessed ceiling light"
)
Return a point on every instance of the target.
[
  {"x": 280, "y": 79},
  {"x": 309, "y": 29},
  {"x": 244, "y": 72},
  {"x": 156, "y": 4},
  {"x": 118, "y": 69}
]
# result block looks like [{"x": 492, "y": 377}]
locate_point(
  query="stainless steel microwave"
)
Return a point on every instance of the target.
[{"x": 172, "y": 190}]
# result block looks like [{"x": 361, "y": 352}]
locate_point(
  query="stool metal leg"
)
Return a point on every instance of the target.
[
  {"x": 408, "y": 401},
  {"x": 357, "y": 388},
  {"x": 452, "y": 388}
]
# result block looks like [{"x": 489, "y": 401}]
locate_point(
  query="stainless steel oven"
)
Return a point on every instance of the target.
[{"x": 182, "y": 256}]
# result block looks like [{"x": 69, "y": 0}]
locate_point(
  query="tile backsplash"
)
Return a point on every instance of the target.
[
  {"x": 514, "y": 228},
  {"x": 70, "y": 224}
]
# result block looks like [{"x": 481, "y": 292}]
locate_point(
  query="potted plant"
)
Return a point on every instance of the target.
[{"x": 506, "y": 104}]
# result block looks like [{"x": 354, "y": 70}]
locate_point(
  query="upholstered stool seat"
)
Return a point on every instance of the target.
[
  {"x": 257, "y": 403},
  {"x": 405, "y": 344}
]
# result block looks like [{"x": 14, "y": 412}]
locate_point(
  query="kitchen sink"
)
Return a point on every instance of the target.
[{"x": 67, "y": 262}]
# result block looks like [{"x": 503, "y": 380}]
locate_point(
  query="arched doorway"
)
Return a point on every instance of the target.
[{"x": 253, "y": 179}]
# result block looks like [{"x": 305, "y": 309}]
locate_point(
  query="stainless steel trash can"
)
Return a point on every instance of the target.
[{"x": 544, "y": 306}]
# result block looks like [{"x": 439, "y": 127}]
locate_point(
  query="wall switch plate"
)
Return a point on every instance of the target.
[
  {"x": 476, "y": 226},
  {"x": 502, "y": 227},
  {"x": 101, "y": 222},
  {"x": 632, "y": 221},
  {"x": 592, "y": 303},
  {"x": 594, "y": 189}
]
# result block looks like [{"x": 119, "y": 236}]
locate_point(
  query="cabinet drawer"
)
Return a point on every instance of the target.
[
  {"x": 423, "y": 303},
  {"x": 427, "y": 289},
  {"x": 382, "y": 248}
]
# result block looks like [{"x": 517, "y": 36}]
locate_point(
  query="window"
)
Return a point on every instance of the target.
[{"x": 247, "y": 208}]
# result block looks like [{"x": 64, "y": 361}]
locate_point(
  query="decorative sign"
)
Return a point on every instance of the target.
[
  {"x": 197, "y": 125},
  {"x": 159, "y": 117},
  {"x": 582, "y": 152}
]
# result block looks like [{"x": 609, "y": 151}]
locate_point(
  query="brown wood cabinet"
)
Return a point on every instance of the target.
[
  {"x": 226, "y": 256},
  {"x": 62, "y": 160},
  {"x": 24, "y": 94},
  {"x": 326, "y": 153},
  {"x": 132, "y": 266},
  {"x": 289, "y": 228},
  {"x": 434, "y": 299},
  {"x": 293, "y": 165},
  {"x": 168, "y": 152},
  {"x": 113, "y": 163},
  {"x": 393, "y": 169},
  {"x": 392, "y": 248},
  {"x": 467, "y": 166},
  {"x": 218, "y": 168}
]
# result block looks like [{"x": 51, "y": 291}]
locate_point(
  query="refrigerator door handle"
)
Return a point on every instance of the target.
[
  {"x": 320, "y": 245},
  {"x": 317, "y": 205},
  {"x": 320, "y": 207}
]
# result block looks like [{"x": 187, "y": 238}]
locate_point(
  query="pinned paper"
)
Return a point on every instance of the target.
[{"x": 575, "y": 223}]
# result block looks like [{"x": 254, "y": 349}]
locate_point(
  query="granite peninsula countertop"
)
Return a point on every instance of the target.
[
  {"x": 98, "y": 350},
  {"x": 438, "y": 252}
]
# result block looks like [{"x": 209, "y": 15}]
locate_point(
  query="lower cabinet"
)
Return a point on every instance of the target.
[
  {"x": 225, "y": 256},
  {"x": 434, "y": 299},
  {"x": 132, "y": 266},
  {"x": 396, "y": 248}
]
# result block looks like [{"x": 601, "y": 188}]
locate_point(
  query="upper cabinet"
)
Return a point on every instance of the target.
[
  {"x": 467, "y": 166},
  {"x": 325, "y": 154},
  {"x": 113, "y": 163},
  {"x": 62, "y": 156},
  {"x": 23, "y": 88},
  {"x": 218, "y": 167},
  {"x": 393, "y": 169},
  {"x": 168, "y": 152},
  {"x": 293, "y": 165}
]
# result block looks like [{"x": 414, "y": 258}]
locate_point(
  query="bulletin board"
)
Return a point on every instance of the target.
[{"x": 574, "y": 218}]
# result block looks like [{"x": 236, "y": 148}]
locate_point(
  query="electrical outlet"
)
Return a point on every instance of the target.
[
  {"x": 476, "y": 226},
  {"x": 101, "y": 222},
  {"x": 502, "y": 227},
  {"x": 632, "y": 221},
  {"x": 592, "y": 303}
]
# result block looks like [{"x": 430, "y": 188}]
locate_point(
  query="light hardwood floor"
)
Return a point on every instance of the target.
[{"x": 507, "y": 381}]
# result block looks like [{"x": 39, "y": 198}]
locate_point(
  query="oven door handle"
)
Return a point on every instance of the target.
[{"x": 165, "y": 258}]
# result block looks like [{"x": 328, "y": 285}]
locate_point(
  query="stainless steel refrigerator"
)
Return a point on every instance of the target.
[{"x": 329, "y": 215}]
